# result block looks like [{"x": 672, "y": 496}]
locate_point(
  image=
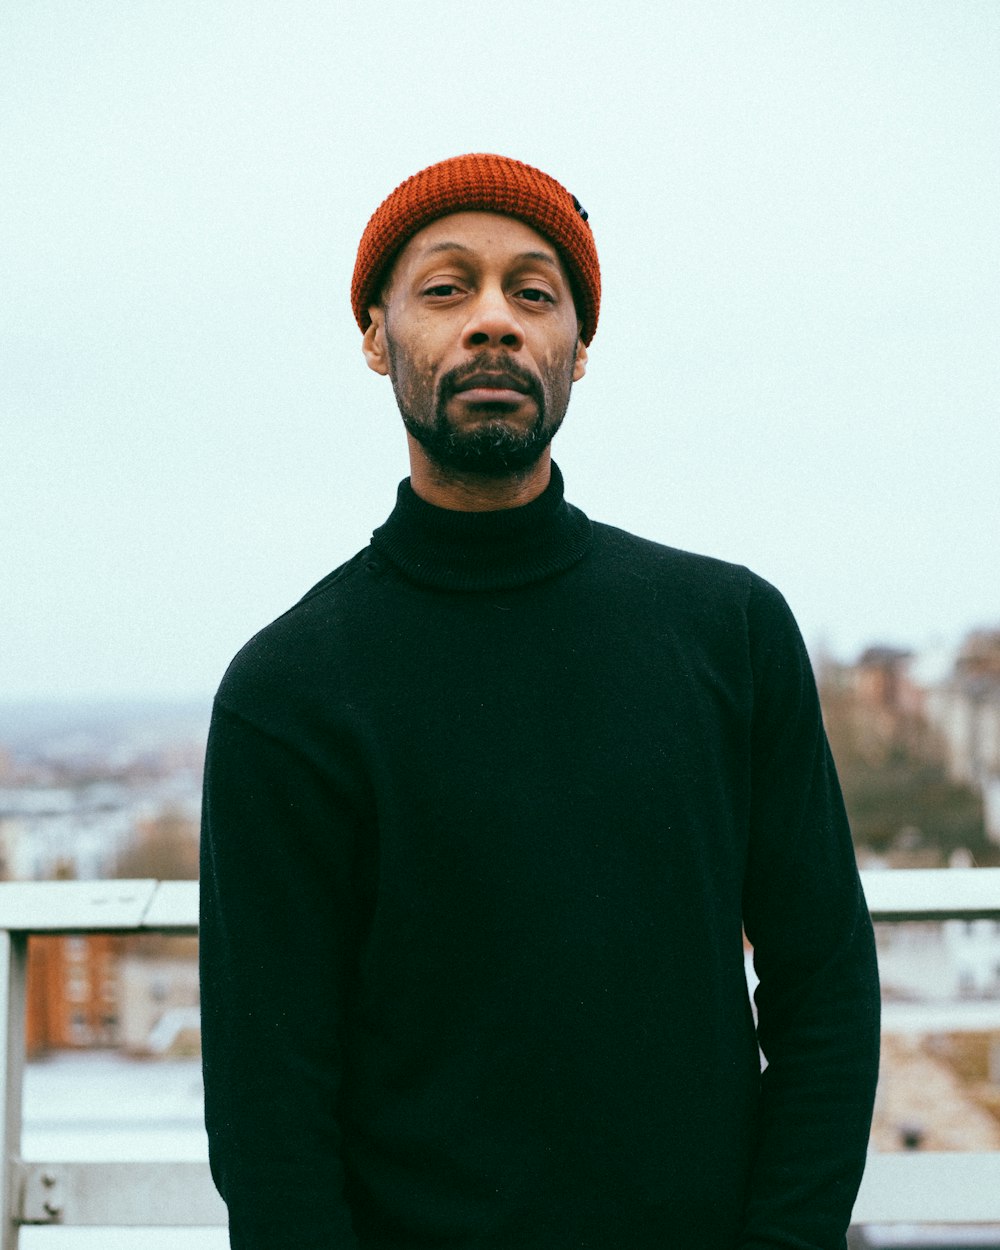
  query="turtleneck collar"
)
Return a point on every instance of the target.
[{"x": 498, "y": 550}]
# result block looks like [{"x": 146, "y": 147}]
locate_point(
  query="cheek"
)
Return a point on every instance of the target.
[
  {"x": 421, "y": 337},
  {"x": 557, "y": 368},
  {"x": 420, "y": 358},
  {"x": 410, "y": 365}
]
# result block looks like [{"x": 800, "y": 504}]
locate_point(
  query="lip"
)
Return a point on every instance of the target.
[
  {"x": 500, "y": 383},
  {"x": 491, "y": 395},
  {"x": 492, "y": 388}
]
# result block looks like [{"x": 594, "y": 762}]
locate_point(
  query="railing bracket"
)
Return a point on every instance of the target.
[{"x": 43, "y": 1195}]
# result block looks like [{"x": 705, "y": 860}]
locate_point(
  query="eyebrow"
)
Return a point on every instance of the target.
[{"x": 546, "y": 258}]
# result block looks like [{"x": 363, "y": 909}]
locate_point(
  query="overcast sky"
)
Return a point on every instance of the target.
[{"x": 796, "y": 207}]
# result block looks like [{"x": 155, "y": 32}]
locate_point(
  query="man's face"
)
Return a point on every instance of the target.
[{"x": 479, "y": 335}]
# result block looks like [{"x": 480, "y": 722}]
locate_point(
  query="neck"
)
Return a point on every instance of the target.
[
  {"x": 495, "y": 549},
  {"x": 475, "y": 492}
]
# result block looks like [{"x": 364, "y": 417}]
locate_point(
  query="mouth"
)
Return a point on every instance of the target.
[{"x": 492, "y": 388}]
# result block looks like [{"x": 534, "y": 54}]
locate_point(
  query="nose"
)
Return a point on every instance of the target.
[{"x": 492, "y": 322}]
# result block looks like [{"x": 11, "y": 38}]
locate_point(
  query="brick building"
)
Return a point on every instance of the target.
[{"x": 72, "y": 992}]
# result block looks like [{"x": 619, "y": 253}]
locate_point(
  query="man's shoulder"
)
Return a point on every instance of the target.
[
  {"x": 631, "y": 554},
  {"x": 286, "y": 651},
  {"x": 698, "y": 586}
]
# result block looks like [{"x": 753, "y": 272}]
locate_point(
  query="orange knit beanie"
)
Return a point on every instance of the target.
[{"x": 495, "y": 184}]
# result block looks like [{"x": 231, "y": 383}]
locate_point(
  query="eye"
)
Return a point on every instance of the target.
[
  {"x": 441, "y": 290},
  {"x": 535, "y": 295}
]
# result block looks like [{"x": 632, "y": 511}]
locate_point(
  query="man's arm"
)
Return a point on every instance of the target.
[
  {"x": 818, "y": 998},
  {"x": 279, "y": 917}
]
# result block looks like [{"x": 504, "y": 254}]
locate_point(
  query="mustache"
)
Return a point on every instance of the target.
[{"x": 487, "y": 363}]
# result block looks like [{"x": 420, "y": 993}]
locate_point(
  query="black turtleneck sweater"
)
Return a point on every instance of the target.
[{"x": 485, "y": 816}]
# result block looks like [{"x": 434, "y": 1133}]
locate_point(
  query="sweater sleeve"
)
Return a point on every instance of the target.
[
  {"x": 279, "y": 918},
  {"x": 814, "y": 954}
]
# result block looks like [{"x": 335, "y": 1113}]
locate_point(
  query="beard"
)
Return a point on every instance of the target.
[{"x": 496, "y": 447}]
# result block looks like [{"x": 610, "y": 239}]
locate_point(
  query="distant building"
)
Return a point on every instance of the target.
[
  {"x": 80, "y": 830},
  {"x": 63, "y": 830},
  {"x": 890, "y": 705},
  {"x": 965, "y": 709},
  {"x": 159, "y": 1003},
  {"x": 72, "y": 992},
  {"x": 103, "y": 990},
  {"x": 882, "y": 681},
  {"x": 945, "y": 962}
]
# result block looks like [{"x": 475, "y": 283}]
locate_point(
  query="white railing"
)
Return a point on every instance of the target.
[
  {"x": 75, "y": 1193},
  {"x": 909, "y": 1188}
]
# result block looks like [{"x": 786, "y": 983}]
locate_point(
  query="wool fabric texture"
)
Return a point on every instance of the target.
[
  {"x": 486, "y": 815},
  {"x": 487, "y": 183}
]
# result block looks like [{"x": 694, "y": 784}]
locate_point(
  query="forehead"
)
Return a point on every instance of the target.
[{"x": 488, "y": 237}]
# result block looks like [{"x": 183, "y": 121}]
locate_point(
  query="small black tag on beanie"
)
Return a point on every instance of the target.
[{"x": 579, "y": 207}]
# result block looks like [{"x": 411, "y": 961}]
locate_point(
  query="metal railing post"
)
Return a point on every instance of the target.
[{"x": 13, "y": 975}]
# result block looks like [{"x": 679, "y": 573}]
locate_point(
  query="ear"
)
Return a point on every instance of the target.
[
  {"x": 580, "y": 361},
  {"x": 373, "y": 344}
]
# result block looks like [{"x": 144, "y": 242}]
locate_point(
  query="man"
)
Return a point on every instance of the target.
[{"x": 486, "y": 814}]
